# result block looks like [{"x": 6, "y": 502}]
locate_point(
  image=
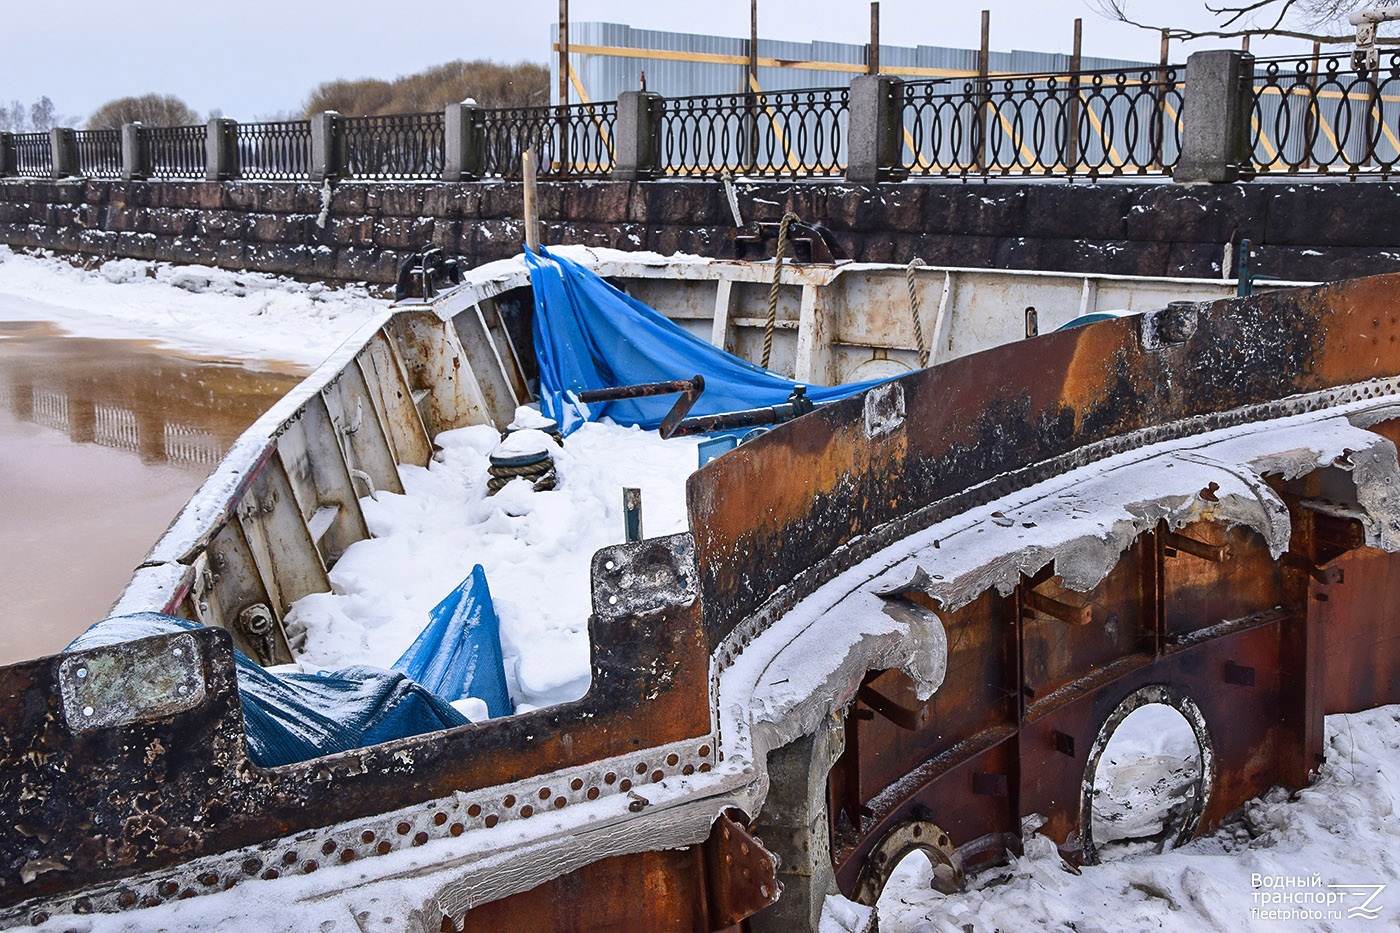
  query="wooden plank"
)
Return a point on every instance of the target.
[
  {"x": 724, "y": 295},
  {"x": 396, "y": 402},
  {"x": 813, "y": 361},
  {"x": 485, "y": 367}
]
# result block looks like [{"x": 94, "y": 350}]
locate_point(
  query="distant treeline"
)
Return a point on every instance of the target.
[{"x": 490, "y": 84}]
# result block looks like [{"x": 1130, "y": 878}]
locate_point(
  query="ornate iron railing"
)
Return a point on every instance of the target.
[
  {"x": 33, "y": 155},
  {"x": 279, "y": 151},
  {"x": 573, "y": 141},
  {"x": 99, "y": 153},
  {"x": 1315, "y": 115},
  {"x": 176, "y": 151},
  {"x": 784, "y": 133},
  {"x": 399, "y": 147},
  {"x": 588, "y": 134},
  {"x": 1322, "y": 114},
  {"x": 510, "y": 131},
  {"x": 1096, "y": 123}
]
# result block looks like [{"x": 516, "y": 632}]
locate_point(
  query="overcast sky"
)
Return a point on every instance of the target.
[{"x": 257, "y": 58}]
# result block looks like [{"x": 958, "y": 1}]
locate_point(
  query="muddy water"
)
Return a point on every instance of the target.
[{"x": 101, "y": 443}]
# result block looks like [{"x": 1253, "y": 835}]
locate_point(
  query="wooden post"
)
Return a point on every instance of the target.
[
  {"x": 872, "y": 52},
  {"x": 532, "y": 205},
  {"x": 753, "y": 44},
  {"x": 564, "y": 53},
  {"x": 984, "y": 102},
  {"x": 751, "y": 91},
  {"x": 1310, "y": 121},
  {"x": 563, "y": 119},
  {"x": 1160, "y": 155},
  {"x": 1076, "y": 65}
]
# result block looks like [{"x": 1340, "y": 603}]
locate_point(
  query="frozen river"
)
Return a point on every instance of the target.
[{"x": 101, "y": 443}]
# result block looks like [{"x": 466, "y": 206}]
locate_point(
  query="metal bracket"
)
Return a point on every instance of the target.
[
  {"x": 884, "y": 409},
  {"x": 742, "y": 874},
  {"x": 632, "y": 579},
  {"x": 901, "y": 716},
  {"x": 131, "y": 682},
  {"x": 808, "y": 242},
  {"x": 1215, "y": 553},
  {"x": 1171, "y": 325},
  {"x": 1031, "y": 601}
]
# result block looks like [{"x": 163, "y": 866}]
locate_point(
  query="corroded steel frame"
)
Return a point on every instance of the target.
[
  {"x": 1238, "y": 632},
  {"x": 115, "y": 818}
]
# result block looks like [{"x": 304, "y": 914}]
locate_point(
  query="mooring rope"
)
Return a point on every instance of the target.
[
  {"x": 914, "y": 306},
  {"x": 788, "y": 219}
]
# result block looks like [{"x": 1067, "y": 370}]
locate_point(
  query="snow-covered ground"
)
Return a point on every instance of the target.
[
  {"x": 1322, "y": 852},
  {"x": 1327, "y": 841},
  {"x": 194, "y": 309}
]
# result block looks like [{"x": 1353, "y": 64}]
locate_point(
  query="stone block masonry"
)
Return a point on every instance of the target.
[{"x": 1300, "y": 230}]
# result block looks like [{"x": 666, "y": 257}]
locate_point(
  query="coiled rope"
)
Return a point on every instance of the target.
[
  {"x": 788, "y": 219},
  {"x": 914, "y": 305}
]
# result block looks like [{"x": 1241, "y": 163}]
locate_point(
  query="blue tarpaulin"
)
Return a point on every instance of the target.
[
  {"x": 459, "y": 653},
  {"x": 294, "y": 717},
  {"x": 589, "y": 335}
]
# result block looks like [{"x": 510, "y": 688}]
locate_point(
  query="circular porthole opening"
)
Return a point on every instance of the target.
[{"x": 1147, "y": 787}]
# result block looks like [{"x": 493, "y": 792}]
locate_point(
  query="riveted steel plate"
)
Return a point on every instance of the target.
[{"x": 131, "y": 682}]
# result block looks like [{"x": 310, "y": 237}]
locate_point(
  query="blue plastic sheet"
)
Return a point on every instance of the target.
[
  {"x": 459, "y": 653},
  {"x": 294, "y": 717},
  {"x": 589, "y": 335}
]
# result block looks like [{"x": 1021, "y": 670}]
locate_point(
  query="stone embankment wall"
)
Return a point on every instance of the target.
[{"x": 1300, "y": 230}]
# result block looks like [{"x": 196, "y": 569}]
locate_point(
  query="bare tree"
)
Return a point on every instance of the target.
[
  {"x": 12, "y": 118},
  {"x": 1322, "y": 21},
  {"x": 39, "y": 117},
  {"x": 150, "y": 109},
  {"x": 42, "y": 116}
]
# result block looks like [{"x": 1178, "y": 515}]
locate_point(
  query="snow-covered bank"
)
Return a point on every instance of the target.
[
  {"x": 196, "y": 309},
  {"x": 1324, "y": 850}
]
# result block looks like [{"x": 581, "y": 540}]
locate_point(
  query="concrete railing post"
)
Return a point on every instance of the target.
[
  {"x": 464, "y": 157},
  {"x": 327, "y": 147},
  {"x": 9, "y": 164},
  {"x": 136, "y": 153},
  {"x": 221, "y": 150},
  {"x": 65, "y": 152},
  {"x": 1215, "y": 136},
  {"x": 637, "y": 138},
  {"x": 873, "y": 130}
]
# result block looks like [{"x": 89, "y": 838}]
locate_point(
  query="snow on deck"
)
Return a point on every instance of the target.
[{"x": 536, "y": 548}]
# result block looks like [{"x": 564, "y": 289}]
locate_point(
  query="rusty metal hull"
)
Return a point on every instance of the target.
[
  {"x": 919, "y": 692},
  {"x": 1198, "y": 611}
]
